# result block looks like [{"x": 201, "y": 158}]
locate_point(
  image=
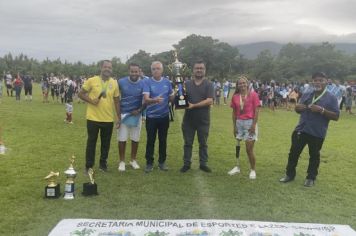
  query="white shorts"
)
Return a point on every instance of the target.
[
  {"x": 225, "y": 94},
  {"x": 242, "y": 130},
  {"x": 124, "y": 131},
  {"x": 69, "y": 108}
]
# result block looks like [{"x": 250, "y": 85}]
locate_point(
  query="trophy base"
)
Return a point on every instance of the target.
[
  {"x": 68, "y": 196},
  {"x": 52, "y": 192},
  {"x": 69, "y": 191},
  {"x": 90, "y": 189},
  {"x": 181, "y": 102}
]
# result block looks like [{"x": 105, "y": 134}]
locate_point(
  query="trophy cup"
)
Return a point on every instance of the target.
[
  {"x": 69, "y": 186},
  {"x": 52, "y": 190},
  {"x": 90, "y": 188},
  {"x": 181, "y": 99}
]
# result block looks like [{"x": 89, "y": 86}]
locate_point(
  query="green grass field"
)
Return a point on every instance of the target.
[{"x": 39, "y": 142}]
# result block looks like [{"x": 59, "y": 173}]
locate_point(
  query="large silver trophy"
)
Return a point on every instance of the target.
[
  {"x": 176, "y": 68},
  {"x": 69, "y": 186}
]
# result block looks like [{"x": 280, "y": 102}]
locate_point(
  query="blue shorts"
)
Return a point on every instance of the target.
[{"x": 242, "y": 130}]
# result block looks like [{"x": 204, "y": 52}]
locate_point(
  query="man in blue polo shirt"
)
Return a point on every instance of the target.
[
  {"x": 157, "y": 93},
  {"x": 316, "y": 109},
  {"x": 131, "y": 89}
]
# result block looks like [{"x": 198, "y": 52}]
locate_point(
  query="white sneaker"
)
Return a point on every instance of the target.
[
  {"x": 121, "y": 166},
  {"x": 234, "y": 171},
  {"x": 2, "y": 149},
  {"x": 252, "y": 174},
  {"x": 134, "y": 165}
]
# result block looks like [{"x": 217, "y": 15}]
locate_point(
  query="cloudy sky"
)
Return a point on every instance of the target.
[{"x": 90, "y": 30}]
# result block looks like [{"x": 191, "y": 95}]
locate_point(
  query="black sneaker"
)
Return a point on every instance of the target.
[
  {"x": 163, "y": 167},
  {"x": 205, "y": 168},
  {"x": 185, "y": 168},
  {"x": 149, "y": 168},
  {"x": 103, "y": 168}
]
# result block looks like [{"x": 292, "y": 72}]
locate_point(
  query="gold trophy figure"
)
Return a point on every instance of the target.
[
  {"x": 69, "y": 185},
  {"x": 181, "y": 99},
  {"x": 90, "y": 188},
  {"x": 52, "y": 190}
]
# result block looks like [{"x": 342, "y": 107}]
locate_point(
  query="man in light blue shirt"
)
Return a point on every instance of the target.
[
  {"x": 157, "y": 93},
  {"x": 131, "y": 90}
]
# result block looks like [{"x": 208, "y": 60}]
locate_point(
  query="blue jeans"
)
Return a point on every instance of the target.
[{"x": 18, "y": 92}]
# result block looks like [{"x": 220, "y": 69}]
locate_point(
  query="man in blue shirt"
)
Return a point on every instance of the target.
[
  {"x": 131, "y": 89},
  {"x": 157, "y": 93},
  {"x": 316, "y": 109}
]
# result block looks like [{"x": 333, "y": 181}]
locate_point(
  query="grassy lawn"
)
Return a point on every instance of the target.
[{"x": 39, "y": 142}]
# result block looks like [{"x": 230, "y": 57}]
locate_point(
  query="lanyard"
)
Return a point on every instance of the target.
[
  {"x": 104, "y": 85},
  {"x": 242, "y": 102},
  {"x": 317, "y": 99}
]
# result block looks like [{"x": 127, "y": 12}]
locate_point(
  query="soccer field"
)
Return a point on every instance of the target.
[{"x": 39, "y": 142}]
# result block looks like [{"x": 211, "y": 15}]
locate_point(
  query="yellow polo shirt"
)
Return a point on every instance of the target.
[{"x": 104, "y": 110}]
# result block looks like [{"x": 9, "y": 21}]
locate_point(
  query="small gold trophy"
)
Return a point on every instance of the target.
[
  {"x": 69, "y": 186},
  {"x": 52, "y": 190},
  {"x": 181, "y": 99},
  {"x": 90, "y": 188}
]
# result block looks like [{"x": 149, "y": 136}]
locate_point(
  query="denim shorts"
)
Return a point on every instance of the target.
[{"x": 242, "y": 130}]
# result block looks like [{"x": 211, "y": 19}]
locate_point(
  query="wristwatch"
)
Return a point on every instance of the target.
[{"x": 322, "y": 111}]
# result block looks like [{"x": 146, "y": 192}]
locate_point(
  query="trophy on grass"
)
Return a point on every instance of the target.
[
  {"x": 52, "y": 190},
  {"x": 90, "y": 188},
  {"x": 69, "y": 185},
  {"x": 176, "y": 68}
]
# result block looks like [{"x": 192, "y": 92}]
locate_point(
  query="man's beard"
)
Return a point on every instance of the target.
[
  {"x": 199, "y": 76},
  {"x": 106, "y": 73}
]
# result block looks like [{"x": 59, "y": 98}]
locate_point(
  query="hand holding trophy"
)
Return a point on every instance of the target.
[{"x": 181, "y": 100}]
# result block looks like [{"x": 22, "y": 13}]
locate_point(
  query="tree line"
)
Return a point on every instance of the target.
[{"x": 223, "y": 61}]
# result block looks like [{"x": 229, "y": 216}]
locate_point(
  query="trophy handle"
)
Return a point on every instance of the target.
[
  {"x": 184, "y": 66},
  {"x": 170, "y": 68}
]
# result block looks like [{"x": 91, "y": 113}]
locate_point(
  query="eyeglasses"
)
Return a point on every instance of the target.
[{"x": 156, "y": 68}]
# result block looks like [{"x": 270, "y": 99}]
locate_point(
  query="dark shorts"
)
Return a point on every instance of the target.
[
  {"x": 292, "y": 100},
  {"x": 28, "y": 90}
]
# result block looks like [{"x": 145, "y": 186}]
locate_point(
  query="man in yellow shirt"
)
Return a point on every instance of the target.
[{"x": 102, "y": 94}]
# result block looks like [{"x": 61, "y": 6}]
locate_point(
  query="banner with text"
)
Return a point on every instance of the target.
[{"x": 92, "y": 227}]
